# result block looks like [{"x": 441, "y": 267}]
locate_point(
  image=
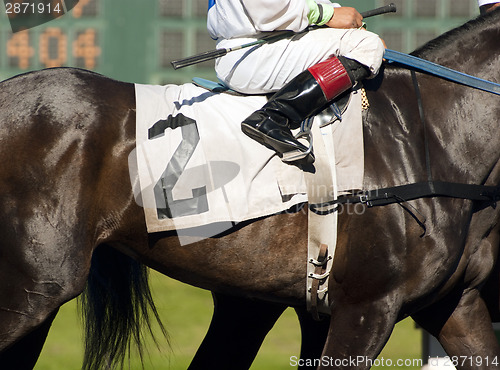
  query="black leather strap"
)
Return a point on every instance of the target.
[
  {"x": 403, "y": 193},
  {"x": 421, "y": 114}
]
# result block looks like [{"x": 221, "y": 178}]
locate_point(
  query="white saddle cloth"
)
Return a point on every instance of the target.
[{"x": 196, "y": 168}]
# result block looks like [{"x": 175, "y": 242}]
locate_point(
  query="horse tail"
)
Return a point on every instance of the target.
[{"x": 117, "y": 308}]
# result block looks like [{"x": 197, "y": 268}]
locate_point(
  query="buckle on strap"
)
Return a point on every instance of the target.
[
  {"x": 323, "y": 262},
  {"x": 319, "y": 276}
]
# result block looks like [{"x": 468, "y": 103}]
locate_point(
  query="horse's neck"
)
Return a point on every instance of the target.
[
  {"x": 461, "y": 122},
  {"x": 474, "y": 138},
  {"x": 472, "y": 48},
  {"x": 460, "y": 129}
]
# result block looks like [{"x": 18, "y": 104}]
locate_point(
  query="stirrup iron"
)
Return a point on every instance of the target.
[{"x": 304, "y": 133}]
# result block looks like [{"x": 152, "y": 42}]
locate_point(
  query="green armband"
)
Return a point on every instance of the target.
[{"x": 319, "y": 13}]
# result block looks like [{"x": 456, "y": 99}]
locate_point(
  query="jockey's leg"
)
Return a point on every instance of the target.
[{"x": 302, "y": 97}]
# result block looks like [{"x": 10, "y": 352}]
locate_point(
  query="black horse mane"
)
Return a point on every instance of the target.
[{"x": 468, "y": 30}]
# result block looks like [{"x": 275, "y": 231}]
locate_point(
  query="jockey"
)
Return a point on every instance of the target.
[
  {"x": 305, "y": 71},
  {"x": 487, "y": 5}
]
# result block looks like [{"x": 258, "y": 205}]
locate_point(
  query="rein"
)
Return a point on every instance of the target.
[
  {"x": 410, "y": 61},
  {"x": 430, "y": 188}
]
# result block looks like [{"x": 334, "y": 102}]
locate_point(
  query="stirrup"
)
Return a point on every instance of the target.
[{"x": 304, "y": 133}]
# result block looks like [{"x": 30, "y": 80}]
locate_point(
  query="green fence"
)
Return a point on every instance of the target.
[
  {"x": 135, "y": 40},
  {"x": 419, "y": 21}
]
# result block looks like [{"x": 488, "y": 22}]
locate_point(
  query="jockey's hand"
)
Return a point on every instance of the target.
[{"x": 345, "y": 17}]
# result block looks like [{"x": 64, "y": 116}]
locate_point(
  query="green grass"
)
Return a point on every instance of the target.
[{"x": 186, "y": 312}]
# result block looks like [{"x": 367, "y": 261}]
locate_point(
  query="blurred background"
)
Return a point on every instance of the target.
[{"x": 135, "y": 41}]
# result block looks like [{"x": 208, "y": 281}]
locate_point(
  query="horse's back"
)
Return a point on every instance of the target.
[{"x": 61, "y": 93}]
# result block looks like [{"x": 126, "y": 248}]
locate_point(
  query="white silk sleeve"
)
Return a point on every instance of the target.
[
  {"x": 484, "y": 2},
  {"x": 271, "y": 15}
]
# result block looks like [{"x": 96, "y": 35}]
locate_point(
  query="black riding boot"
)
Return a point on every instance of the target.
[{"x": 302, "y": 97}]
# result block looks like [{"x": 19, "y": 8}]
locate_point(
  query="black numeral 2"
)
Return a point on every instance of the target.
[{"x": 163, "y": 190}]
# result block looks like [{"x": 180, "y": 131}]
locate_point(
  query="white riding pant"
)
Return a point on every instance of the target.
[{"x": 267, "y": 67}]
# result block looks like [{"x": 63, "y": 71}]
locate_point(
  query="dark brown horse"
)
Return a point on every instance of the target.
[{"x": 65, "y": 136}]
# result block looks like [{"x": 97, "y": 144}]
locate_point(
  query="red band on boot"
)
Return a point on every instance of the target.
[{"x": 332, "y": 77}]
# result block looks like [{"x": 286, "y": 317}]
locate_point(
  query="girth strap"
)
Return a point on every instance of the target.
[{"x": 402, "y": 193}]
